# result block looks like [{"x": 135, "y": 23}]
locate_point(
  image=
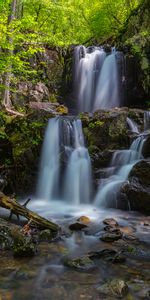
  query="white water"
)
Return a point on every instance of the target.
[
  {"x": 146, "y": 120},
  {"x": 96, "y": 80},
  {"x": 77, "y": 185},
  {"x": 132, "y": 125},
  {"x": 122, "y": 161},
  {"x": 107, "y": 90},
  {"x": 48, "y": 181},
  {"x": 64, "y": 141}
]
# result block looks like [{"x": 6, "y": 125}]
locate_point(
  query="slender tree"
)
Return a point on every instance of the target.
[{"x": 9, "y": 53}]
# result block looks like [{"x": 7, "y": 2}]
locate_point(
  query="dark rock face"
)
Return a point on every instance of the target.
[
  {"x": 135, "y": 37},
  {"x": 138, "y": 188},
  {"x": 46, "y": 84},
  {"x": 21, "y": 146},
  {"x": 146, "y": 147}
]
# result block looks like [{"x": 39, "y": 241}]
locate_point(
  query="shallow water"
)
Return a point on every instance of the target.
[{"x": 45, "y": 276}]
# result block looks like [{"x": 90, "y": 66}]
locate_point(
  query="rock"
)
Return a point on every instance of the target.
[
  {"x": 116, "y": 287},
  {"x": 39, "y": 93},
  {"x": 83, "y": 263},
  {"x": 110, "y": 221},
  {"x": 84, "y": 220},
  {"x": 108, "y": 255},
  {"x": 77, "y": 226},
  {"x": 6, "y": 240},
  {"x": 107, "y": 130},
  {"x": 45, "y": 235},
  {"x": 146, "y": 147},
  {"x": 6, "y": 234},
  {"x": 23, "y": 246},
  {"x": 137, "y": 190},
  {"x": 111, "y": 237},
  {"x": 54, "y": 108}
]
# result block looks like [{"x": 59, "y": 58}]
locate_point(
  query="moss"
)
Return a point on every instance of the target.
[
  {"x": 96, "y": 124},
  {"x": 61, "y": 109}
]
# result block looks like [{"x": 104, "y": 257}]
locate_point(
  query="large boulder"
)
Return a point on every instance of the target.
[
  {"x": 146, "y": 147},
  {"x": 137, "y": 190},
  {"x": 107, "y": 130}
]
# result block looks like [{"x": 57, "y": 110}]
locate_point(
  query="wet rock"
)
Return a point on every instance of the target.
[
  {"x": 83, "y": 263},
  {"x": 110, "y": 222},
  {"x": 84, "y": 220},
  {"x": 77, "y": 226},
  {"x": 117, "y": 288},
  {"x": 137, "y": 190},
  {"x": 6, "y": 234},
  {"x": 23, "y": 246},
  {"x": 108, "y": 255},
  {"x": 107, "y": 130},
  {"x": 6, "y": 240},
  {"x": 45, "y": 235},
  {"x": 146, "y": 147},
  {"x": 112, "y": 229},
  {"x": 111, "y": 237}
]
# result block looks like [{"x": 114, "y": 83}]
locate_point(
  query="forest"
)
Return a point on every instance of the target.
[{"x": 74, "y": 149}]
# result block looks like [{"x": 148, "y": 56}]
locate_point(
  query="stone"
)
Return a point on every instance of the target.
[
  {"x": 116, "y": 288},
  {"x": 110, "y": 222},
  {"x": 77, "y": 226},
  {"x": 45, "y": 235},
  {"x": 137, "y": 190},
  {"x": 107, "y": 254},
  {"x": 110, "y": 237},
  {"x": 82, "y": 263},
  {"x": 84, "y": 220},
  {"x": 23, "y": 246}
]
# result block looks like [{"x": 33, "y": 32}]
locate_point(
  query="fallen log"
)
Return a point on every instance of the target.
[{"x": 20, "y": 210}]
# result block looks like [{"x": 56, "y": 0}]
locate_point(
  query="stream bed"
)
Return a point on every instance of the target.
[{"x": 47, "y": 276}]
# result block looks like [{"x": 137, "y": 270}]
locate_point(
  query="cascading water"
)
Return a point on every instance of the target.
[
  {"x": 48, "y": 181},
  {"x": 78, "y": 173},
  {"x": 96, "y": 79},
  {"x": 122, "y": 163},
  {"x": 132, "y": 125},
  {"x": 146, "y": 120},
  {"x": 64, "y": 139}
]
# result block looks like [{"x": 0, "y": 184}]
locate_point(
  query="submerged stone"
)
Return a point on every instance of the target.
[
  {"x": 83, "y": 263},
  {"x": 111, "y": 237},
  {"x": 116, "y": 288},
  {"x": 108, "y": 254}
]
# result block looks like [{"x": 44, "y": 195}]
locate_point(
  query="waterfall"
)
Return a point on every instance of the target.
[
  {"x": 146, "y": 120},
  {"x": 64, "y": 148},
  {"x": 122, "y": 162},
  {"x": 77, "y": 185},
  {"x": 107, "y": 89},
  {"x": 48, "y": 181},
  {"x": 132, "y": 125},
  {"x": 96, "y": 79}
]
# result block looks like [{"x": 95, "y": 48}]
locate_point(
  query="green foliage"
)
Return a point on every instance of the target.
[
  {"x": 54, "y": 23},
  {"x": 96, "y": 124}
]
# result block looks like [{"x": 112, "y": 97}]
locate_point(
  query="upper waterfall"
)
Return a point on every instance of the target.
[{"x": 97, "y": 79}]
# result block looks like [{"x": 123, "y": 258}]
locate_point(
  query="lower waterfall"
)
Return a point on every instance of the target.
[
  {"x": 65, "y": 168},
  {"x": 121, "y": 165}
]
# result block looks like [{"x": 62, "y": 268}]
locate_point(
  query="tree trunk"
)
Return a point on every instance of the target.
[
  {"x": 7, "y": 77},
  {"x": 21, "y": 210}
]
